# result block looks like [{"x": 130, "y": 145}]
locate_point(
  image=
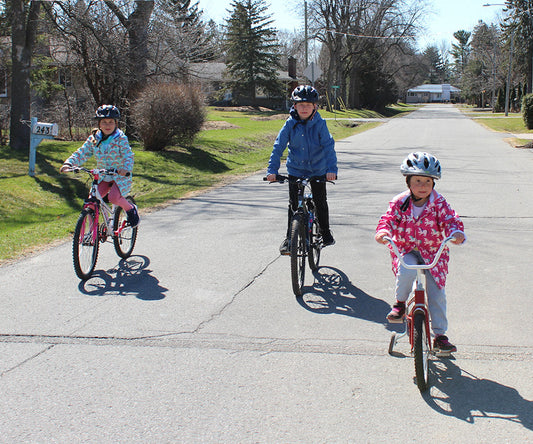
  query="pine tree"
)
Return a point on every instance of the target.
[{"x": 252, "y": 51}]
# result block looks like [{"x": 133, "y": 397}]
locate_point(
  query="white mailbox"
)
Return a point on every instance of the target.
[
  {"x": 39, "y": 131},
  {"x": 45, "y": 129}
]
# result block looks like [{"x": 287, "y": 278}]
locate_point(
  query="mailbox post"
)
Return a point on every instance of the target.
[{"x": 39, "y": 131}]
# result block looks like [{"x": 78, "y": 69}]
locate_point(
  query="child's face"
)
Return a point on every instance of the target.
[
  {"x": 421, "y": 187},
  {"x": 304, "y": 109},
  {"x": 107, "y": 126}
]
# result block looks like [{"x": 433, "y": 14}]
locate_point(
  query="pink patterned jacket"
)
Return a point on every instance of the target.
[
  {"x": 425, "y": 234},
  {"x": 114, "y": 152}
]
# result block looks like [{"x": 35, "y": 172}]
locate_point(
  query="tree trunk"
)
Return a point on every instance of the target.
[
  {"x": 24, "y": 30},
  {"x": 138, "y": 24}
]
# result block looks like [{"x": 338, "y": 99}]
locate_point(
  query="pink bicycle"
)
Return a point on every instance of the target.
[
  {"x": 417, "y": 318},
  {"x": 97, "y": 222}
]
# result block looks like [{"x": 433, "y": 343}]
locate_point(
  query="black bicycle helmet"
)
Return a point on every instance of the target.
[
  {"x": 107, "y": 112},
  {"x": 421, "y": 164},
  {"x": 305, "y": 93}
]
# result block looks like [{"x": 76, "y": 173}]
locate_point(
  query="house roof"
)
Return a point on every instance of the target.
[{"x": 432, "y": 88}]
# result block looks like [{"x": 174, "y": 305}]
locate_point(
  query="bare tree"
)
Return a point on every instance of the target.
[
  {"x": 112, "y": 49},
  {"x": 358, "y": 38}
]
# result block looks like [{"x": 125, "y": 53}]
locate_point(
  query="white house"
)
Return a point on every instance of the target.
[{"x": 432, "y": 93}]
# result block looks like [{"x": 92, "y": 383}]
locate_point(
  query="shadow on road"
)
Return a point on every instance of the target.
[
  {"x": 131, "y": 277},
  {"x": 457, "y": 393},
  {"x": 333, "y": 292}
]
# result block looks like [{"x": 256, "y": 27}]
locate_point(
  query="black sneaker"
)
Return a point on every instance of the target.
[
  {"x": 285, "y": 247},
  {"x": 327, "y": 238},
  {"x": 443, "y": 346},
  {"x": 133, "y": 217}
]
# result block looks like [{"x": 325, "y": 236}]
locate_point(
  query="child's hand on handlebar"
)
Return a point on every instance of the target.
[
  {"x": 380, "y": 237},
  {"x": 458, "y": 238},
  {"x": 331, "y": 176},
  {"x": 271, "y": 178},
  {"x": 65, "y": 168}
]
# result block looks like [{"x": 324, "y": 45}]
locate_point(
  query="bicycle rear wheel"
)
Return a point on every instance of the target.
[
  {"x": 85, "y": 244},
  {"x": 124, "y": 242},
  {"x": 421, "y": 351},
  {"x": 315, "y": 246},
  {"x": 298, "y": 252}
]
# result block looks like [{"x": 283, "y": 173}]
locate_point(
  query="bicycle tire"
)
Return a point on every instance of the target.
[
  {"x": 84, "y": 245},
  {"x": 315, "y": 245},
  {"x": 125, "y": 241},
  {"x": 298, "y": 253},
  {"x": 421, "y": 351}
]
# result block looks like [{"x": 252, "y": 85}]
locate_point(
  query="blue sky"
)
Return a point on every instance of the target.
[{"x": 445, "y": 16}]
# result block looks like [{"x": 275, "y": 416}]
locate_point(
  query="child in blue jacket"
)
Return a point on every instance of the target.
[{"x": 311, "y": 155}]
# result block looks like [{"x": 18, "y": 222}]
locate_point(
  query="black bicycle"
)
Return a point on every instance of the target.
[{"x": 305, "y": 239}]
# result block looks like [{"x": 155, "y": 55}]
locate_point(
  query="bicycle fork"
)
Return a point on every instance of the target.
[{"x": 419, "y": 300}]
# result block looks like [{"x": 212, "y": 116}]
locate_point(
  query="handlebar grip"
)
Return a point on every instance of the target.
[{"x": 279, "y": 178}]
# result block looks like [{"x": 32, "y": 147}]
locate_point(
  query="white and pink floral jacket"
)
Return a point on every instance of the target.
[
  {"x": 114, "y": 152},
  {"x": 425, "y": 234}
]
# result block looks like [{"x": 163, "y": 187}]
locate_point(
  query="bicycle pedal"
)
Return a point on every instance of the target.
[{"x": 442, "y": 354}]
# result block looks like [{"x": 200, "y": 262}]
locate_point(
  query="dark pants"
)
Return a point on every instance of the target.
[{"x": 319, "y": 198}]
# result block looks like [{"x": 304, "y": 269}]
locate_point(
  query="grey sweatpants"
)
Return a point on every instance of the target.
[{"x": 436, "y": 296}]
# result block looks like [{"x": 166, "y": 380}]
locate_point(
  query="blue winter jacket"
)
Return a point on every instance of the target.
[{"x": 311, "y": 147}]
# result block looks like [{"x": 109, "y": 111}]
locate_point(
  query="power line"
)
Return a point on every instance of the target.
[{"x": 370, "y": 36}]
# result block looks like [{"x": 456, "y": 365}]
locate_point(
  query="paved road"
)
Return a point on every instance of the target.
[{"x": 198, "y": 337}]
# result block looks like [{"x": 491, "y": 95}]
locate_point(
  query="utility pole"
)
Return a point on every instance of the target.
[{"x": 305, "y": 34}]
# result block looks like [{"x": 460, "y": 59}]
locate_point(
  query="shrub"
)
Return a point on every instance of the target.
[
  {"x": 168, "y": 112},
  {"x": 527, "y": 110}
]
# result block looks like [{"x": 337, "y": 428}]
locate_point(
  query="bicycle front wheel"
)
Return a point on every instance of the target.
[
  {"x": 315, "y": 246},
  {"x": 124, "y": 241},
  {"x": 421, "y": 351},
  {"x": 85, "y": 244},
  {"x": 298, "y": 253}
]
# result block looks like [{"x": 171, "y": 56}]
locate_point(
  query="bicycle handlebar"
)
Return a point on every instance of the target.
[
  {"x": 417, "y": 266},
  {"x": 97, "y": 171},
  {"x": 282, "y": 179}
]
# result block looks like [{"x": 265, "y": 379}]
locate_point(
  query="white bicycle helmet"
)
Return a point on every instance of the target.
[{"x": 421, "y": 164}]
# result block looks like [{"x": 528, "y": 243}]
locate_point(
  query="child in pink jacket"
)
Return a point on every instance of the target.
[{"x": 418, "y": 220}]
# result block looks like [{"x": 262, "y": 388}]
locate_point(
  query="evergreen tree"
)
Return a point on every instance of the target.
[
  {"x": 461, "y": 52},
  {"x": 252, "y": 51},
  {"x": 435, "y": 65}
]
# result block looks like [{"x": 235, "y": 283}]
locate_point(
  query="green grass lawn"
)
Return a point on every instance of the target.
[
  {"x": 40, "y": 210},
  {"x": 513, "y": 123}
]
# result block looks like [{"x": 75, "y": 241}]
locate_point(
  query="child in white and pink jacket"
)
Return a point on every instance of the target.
[{"x": 418, "y": 220}]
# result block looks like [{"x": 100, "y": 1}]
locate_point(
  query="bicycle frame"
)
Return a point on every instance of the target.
[
  {"x": 304, "y": 232},
  {"x": 417, "y": 318},
  {"x": 98, "y": 205},
  {"x": 91, "y": 229},
  {"x": 418, "y": 301},
  {"x": 305, "y": 209},
  {"x": 306, "y": 205}
]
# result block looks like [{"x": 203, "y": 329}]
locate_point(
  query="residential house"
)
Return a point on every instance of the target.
[{"x": 432, "y": 93}]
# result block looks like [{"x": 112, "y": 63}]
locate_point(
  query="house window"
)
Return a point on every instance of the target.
[
  {"x": 65, "y": 77},
  {"x": 3, "y": 82}
]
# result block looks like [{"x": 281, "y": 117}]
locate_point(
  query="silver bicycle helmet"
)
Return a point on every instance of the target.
[{"x": 421, "y": 164}]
